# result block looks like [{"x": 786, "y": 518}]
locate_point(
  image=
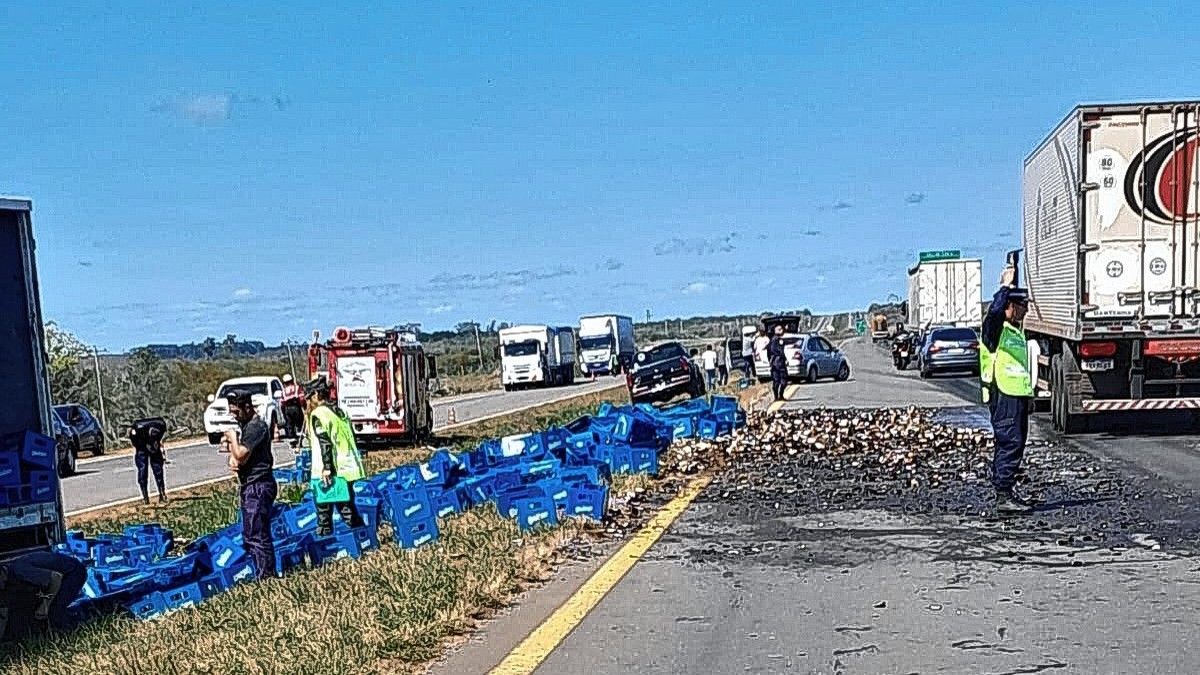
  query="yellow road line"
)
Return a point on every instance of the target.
[
  {"x": 534, "y": 649},
  {"x": 791, "y": 391},
  {"x": 775, "y": 406}
]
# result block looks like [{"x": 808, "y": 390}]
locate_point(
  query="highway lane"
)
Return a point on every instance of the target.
[
  {"x": 109, "y": 480},
  {"x": 875, "y": 591}
]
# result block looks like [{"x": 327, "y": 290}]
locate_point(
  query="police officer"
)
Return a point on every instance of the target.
[
  {"x": 334, "y": 454},
  {"x": 293, "y": 408},
  {"x": 146, "y": 435},
  {"x": 777, "y": 357},
  {"x": 1007, "y": 383},
  {"x": 250, "y": 457}
]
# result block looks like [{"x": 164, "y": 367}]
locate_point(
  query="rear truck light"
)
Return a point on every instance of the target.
[
  {"x": 1092, "y": 350},
  {"x": 683, "y": 363}
]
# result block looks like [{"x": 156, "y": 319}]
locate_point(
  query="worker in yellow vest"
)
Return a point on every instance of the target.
[
  {"x": 1007, "y": 387},
  {"x": 334, "y": 456}
]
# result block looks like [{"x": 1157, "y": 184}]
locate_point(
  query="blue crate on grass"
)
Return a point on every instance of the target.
[
  {"x": 524, "y": 446},
  {"x": 109, "y": 555},
  {"x": 635, "y": 429},
  {"x": 77, "y": 543},
  {"x": 606, "y": 409},
  {"x": 369, "y": 508},
  {"x": 238, "y": 573},
  {"x": 590, "y": 474},
  {"x": 334, "y": 547},
  {"x": 707, "y": 428},
  {"x": 409, "y": 505},
  {"x": 554, "y": 489},
  {"x": 449, "y": 502},
  {"x": 541, "y": 468},
  {"x": 153, "y": 535},
  {"x": 300, "y": 518},
  {"x": 290, "y": 553},
  {"x": 148, "y": 606},
  {"x": 171, "y": 571},
  {"x": 41, "y": 485},
  {"x": 481, "y": 489},
  {"x": 366, "y": 488},
  {"x": 139, "y": 555},
  {"x": 403, "y": 478},
  {"x": 723, "y": 404},
  {"x": 507, "y": 479},
  {"x": 535, "y": 512},
  {"x": 587, "y": 500},
  {"x": 213, "y": 585},
  {"x": 724, "y": 428},
  {"x": 643, "y": 460},
  {"x": 413, "y": 534},
  {"x": 35, "y": 449},
  {"x": 619, "y": 458},
  {"x": 93, "y": 587},
  {"x": 368, "y": 538},
  {"x": 555, "y": 439},
  {"x": 683, "y": 427},
  {"x": 227, "y": 551},
  {"x": 182, "y": 597},
  {"x": 506, "y": 502}
]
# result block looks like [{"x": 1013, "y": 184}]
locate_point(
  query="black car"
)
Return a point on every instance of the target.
[
  {"x": 663, "y": 372},
  {"x": 68, "y": 444},
  {"x": 949, "y": 349},
  {"x": 88, "y": 432}
]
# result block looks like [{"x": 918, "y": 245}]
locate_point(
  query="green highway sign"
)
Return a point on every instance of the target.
[
  {"x": 860, "y": 326},
  {"x": 933, "y": 256}
]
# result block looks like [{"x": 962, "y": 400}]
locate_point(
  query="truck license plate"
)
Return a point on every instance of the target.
[{"x": 1096, "y": 365}]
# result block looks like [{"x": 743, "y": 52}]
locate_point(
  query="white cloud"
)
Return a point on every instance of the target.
[
  {"x": 441, "y": 309},
  {"x": 243, "y": 293},
  {"x": 207, "y": 108},
  {"x": 696, "y": 287}
]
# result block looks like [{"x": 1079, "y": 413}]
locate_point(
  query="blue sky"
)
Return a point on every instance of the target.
[{"x": 272, "y": 169}]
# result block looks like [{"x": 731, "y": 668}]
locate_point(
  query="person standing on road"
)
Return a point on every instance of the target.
[
  {"x": 334, "y": 456},
  {"x": 146, "y": 436},
  {"x": 293, "y": 409},
  {"x": 1007, "y": 387},
  {"x": 778, "y": 360},
  {"x": 760, "y": 348},
  {"x": 251, "y": 459},
  {"x": 709, "y": 359},
  {"x": 723, "y": 363},
  {"x": 748, "y": 356}
]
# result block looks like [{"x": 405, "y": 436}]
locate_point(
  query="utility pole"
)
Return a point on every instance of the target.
[
  {"x": 478, "y": 344},
  {"x": 291, "y": 359},
  {"x": 99, "y": 386}
]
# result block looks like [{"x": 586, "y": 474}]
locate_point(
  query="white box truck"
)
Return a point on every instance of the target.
[
  {"x": 24, "y": 524},
  {"x": 606, "y": 344},
  {"x": 944, "y": 291},
  {"x": 1110, "y": 204},
  {"x": 537, "y": 356}
]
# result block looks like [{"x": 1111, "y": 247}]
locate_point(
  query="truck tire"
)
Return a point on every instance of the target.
[{"x": 1063, "y": 420}]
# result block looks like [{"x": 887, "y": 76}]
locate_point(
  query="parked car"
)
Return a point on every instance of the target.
[
  {"x": 949, "y": 349},
  {"x": 266, "y": 394},
  {"x": 810, "y": 357},
  {"x": 88, "y": 431},
  {"x": 663, "y": 372},
  {"x": 67, "y": 442}
]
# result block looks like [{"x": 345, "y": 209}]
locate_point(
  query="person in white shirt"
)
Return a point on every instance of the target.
[
  {"x": 760, "y": 348},
  {"x": 709, "y": 359}
]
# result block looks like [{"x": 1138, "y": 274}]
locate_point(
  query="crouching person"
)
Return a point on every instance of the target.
[{"x": 335, "y": 459}]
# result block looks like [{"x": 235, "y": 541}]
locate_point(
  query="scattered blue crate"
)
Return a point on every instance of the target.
[
  {"x": 707, "y": 429},
  {"x": 109, "y": 555},
  {"x": 227, "y": 551},
  {"x": 534, "y": 512},
  {"x": 538, "y": 469},
  {"x": 449, "y": 502},
  {"x": 238, "y": 573},
  {"x": 556, "y": 490},
  {"x": 148, "y": 606},
  {"x": 291, "y": 553},
  {"x": 643, "y": 460},
  {"x": 300, "y": 518},
  {"x": 183, "y": 597},
  {"x": 587, "y": 500},
  {"x": 368, "y": 538},
  {"x": 413, "y": 534},
  {"x": 620, "y": 459},
  {"x": 136, "y": 556},
  {"x": 506, "y": 502},
  {"x": 213, "y": 585},
  {"x": 409, "y": 505},
  {"x": 337, "y": 546}
]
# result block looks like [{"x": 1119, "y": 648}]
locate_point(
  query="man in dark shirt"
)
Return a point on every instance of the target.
[
  {"x": 250, "y": 457},
  {"x": 778, "y": 360}
]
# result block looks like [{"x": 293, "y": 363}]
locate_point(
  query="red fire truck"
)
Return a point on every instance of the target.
[{"x": 380, "y": 378}]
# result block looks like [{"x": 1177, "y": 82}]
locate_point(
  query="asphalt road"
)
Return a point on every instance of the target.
[
  {"x": 736, "y": 587},
  {"x": 113, "y": 479}
]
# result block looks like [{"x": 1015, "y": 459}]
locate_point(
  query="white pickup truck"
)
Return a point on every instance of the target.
[{"x": 266, "y": 394}]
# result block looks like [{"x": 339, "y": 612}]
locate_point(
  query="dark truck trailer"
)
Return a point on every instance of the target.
[
  {"x": 1110, "y": 206},
  {"x": 24, "y": 525}
]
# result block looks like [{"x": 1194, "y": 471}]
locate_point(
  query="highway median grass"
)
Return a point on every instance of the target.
[{"x": 388, "y": 612}]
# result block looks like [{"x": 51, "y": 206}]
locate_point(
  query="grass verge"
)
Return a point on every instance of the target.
[{"x": 386, "y": 613}]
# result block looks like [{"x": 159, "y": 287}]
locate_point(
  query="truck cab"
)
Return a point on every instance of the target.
[
  {"x": 605, "y": 345},
  {"x": 536, "y": 355}
]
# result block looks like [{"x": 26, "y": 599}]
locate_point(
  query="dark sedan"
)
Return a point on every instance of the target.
[
  {"x": 88, "y": 431},
  {"x": 663, "y": 372},
  {"x": 949, "y": 349},
  {"x": 67, "y": 442}
]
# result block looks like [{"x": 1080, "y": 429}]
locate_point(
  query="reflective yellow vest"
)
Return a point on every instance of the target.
[
  {"x": 1010, "y": 363},
  {"x": 345, "y": 450},
  {"x": 985, "y": 370}
]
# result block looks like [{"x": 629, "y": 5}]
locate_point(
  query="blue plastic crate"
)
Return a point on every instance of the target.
[
  {"x": 540, "y": 468},
  {"x": 188, "y": 595},
  {"x": 448, "y": 503},
  {"x": 213, "y": 585},
  {"x": 109, "y": 555},
  {"x": 10, "y": 470},
  {"x": 237, "y": 573},
  {"x": 148, "y": 606},
  {"x": 721, "y": 404},
  {"x": 643, "y": 460},
  {"x": 556, "y": 490},
  {"x": 683, "y": 427},
  {"x": 78, "y": 543},
  {"x": 506, "y": 502},
  {"x": 300, "y": 518},
  {"x": 619, "y": 458},
  {"x": 335, "y": 547},
  {"x": 480, "y": 490},
  {"x": 171, "y": 571},
  {"x": 366, "y": 488},
  {"x": 368, "y": 538},
  {"x": 37, "y": 450},
  {"x": 140, "y": 555},
  {"x": 708, "y": 428},
  {"x": 409, "y": 505},
  {"x": 587, "y": 500},
  {"x": 17, "y": 495},
  {"x": 535, "y": 512},
  {"x": 581, "y": 474},
  {"x": 227, "y": 551},
  {"x": 724, "y": 428},
  {"x": 414, "y": 534},
  {"x": 153, "y": 535},
  {"x": 291, "y": 553}
]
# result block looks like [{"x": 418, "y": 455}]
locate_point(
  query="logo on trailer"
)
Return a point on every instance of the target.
[
  {"x": 354, "y": 371},
  {"x": 1159, "y": 184},
  {"x": 1115, "y": 269},
  {"x": 1158, "y": 266}
]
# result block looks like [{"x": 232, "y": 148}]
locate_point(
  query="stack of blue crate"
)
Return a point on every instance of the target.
[{"x": 28, "y": 462}]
